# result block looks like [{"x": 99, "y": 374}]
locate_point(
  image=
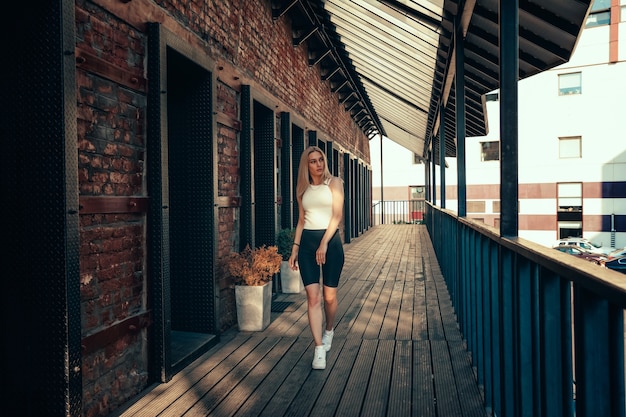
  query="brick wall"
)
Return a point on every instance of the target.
[
  {"x": 111, "y": 150},
  {"x": 228, "y": 186},
  {"x": 249, "y": 48}
]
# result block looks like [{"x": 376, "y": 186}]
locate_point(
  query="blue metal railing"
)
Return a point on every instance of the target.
[
  {"x": 545, "y": 330},
  {"x": 398, "y": 211}
]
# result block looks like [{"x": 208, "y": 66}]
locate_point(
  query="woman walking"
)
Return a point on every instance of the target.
[{"x": 317, "y": 243}]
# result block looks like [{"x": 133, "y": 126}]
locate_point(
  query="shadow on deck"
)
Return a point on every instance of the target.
[{"x": 397, "y": 349}]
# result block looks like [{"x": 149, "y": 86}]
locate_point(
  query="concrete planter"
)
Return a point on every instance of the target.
[
  {"x": 290, "y": 280},
  {"x": 254, "y": 305}
]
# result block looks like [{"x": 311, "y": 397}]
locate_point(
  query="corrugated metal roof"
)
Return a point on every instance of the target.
[{"x": 391, "y": 62}]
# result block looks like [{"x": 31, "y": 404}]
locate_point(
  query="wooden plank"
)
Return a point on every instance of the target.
[
  {"x": 89, "y": 62},
  {"x": 390, "y": 321},
  {"x": 467, "y": 387},
  {"x": 362, "y": 303},
  {"x": 330, "y": 395},
  {"x": 107, "y": 204},
  {"x": 198, "y": 388},
  {"x": 375, "y": 402},
  {"x": 406, "y": 313},
  {"x": 360, "y": 323},
  {"x": 376, "y": 320},
  {"x": 107, "y": 336},
  {"x": 391, "y": 299},
  {"x": 264, "y": 392},
  {"x": 283, "y": 323},
  {"x": 291, "y": 385},
  {"x": 400, "y": 387},
  {"x": 354, "y": 392},
  {"x": 445, "y": 386},
  {"x": 405, "y": 316},
  {"x": 382, "y": 270},
  {"x": 435, "y": 324},
  {"x": 420, "y": 319},
  {"x": 448, "y": 316},
  {"x": 215, "y": 393},
  {"x": 310, "y": 389},
  {"x": 160, "y": 396},
  {"x": 354, "y": 306},
  {"x": 254, "y": 381},
  {"x": 423, "y": 388}
]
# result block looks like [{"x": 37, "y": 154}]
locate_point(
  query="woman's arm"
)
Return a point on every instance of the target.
[
  {"x": 336, "y": 188},
  {"x": 293, "y": 259}
]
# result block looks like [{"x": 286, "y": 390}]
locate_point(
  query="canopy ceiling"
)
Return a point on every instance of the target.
[{"x": 391, "y": 62}]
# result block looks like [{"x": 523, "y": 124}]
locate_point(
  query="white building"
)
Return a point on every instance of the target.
[{"x": 572, "y": 146}]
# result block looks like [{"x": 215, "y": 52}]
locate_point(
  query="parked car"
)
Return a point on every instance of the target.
[
  {"x": 616, "y": 264},
  {"x": 583, "y": 243},
  {"x": 617, "y": 253},
  {"x": 581, "y": 253}
]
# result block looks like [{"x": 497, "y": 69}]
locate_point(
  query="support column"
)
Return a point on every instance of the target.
[
  {"x": 442, "y": 152},
  {"x": 460, "y": 122},
  {"x": 509, "y": 70}
]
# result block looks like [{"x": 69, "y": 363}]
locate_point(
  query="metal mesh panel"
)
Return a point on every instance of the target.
[
  {"x": 347, "y": 203},
  {"x": 246, "y": 233},
  {"x": 363, "y": 197},
  {"x": 354, "y": 180},
  {"x": 264, "y": 176},
  {"x": 329, "y": 157},
  {"x": 322, "y": 145},
  {"x": 297, "y": 147},
  {"x": 72, "y": 237},
  {"x": 190, "y": 159},
  {"x": 41, "y": 299},
  {"x": 368, "y": 199},
  {"x": 181, "y": 186},
  {"x": 285, "y": 172},
  {"x": 158, "y": 220},
  {"x": 361, "y": 192}
]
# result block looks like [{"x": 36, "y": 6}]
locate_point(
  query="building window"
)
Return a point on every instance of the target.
[
  {"x": 476, "y": 206},
  {"x": 570, "y": 229},
  {"x": 600, "y": 14},
  {"x": 490, "y": 151},
  {"x": 570, "y": 196},
  {"x": 570, "y": 209},
  {"x": 570, "y": 147},
  {"x": 570, "y": 84},
  {"x": 416, "y": 192}
]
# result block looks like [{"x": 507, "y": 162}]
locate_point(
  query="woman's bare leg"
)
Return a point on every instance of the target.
[
  {"x": 314, "y": 311},
  {"x": 330, "y": 306}
]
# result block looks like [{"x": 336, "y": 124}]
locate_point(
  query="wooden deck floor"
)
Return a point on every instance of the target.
[{"x": 397, "y": 349}]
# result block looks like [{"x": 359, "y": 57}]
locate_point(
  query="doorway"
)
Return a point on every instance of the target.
[
  {"x": 190, "y": 178},
  {"x": 265, "y": 176}
]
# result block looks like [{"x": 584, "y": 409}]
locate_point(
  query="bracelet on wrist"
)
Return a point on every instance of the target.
[{"x": 297, "y": 244}]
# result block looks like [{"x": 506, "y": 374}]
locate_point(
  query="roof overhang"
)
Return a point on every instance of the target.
[{"x": 391, "y": 62}]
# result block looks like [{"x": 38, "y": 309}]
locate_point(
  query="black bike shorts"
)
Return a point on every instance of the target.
[{"x": 309, "y": 269}]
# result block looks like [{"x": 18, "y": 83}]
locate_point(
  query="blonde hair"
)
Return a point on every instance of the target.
[{"x": 304, "y": 178}]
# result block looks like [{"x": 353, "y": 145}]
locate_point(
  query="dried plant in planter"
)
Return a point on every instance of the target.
[{"x": 253, "y": 266}]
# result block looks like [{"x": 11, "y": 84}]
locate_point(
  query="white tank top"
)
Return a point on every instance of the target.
[{"x": 317, "y": 202}]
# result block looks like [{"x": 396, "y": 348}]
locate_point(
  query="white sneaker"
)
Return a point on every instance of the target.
[
  {"x": 327, "y": 339},
  {"x": 319, "y": 359}
]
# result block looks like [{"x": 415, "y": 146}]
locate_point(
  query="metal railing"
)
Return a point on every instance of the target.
[
  {"x": 398, "y": 211},
  {"x": 545, "y": 329}
]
